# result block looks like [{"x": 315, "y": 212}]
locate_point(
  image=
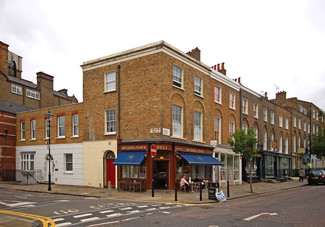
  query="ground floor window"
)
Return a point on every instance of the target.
[
  {"x": 27, "y": 161},
  {"x": 284, "y": 164},
  {"x": 231, "y": 168},
  {"x": 269, "y": 166},
  {"x": 68, "y": 162},
  {"x": 136, "y": 172},
  {"x": 191, "y": 171}
]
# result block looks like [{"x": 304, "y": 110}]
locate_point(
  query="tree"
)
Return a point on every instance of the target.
[
  {"x": 318, "y": 144},
  {"x": 245, "y": 144}
]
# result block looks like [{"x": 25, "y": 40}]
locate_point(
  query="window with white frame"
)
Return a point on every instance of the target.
[
  {"x": 110, "y": 81},
  {"x": 245, "y": 106},
  {"x": 286, "y": 145},
  {"x": 32, "y": 94},
  {"x": 177, "y": 121},
  {"x": 217, "y": 94},
  {"x": 68, "y": 158},
  {"x": 299, "y": 123},
  {"x": 110, "y": 122},
  {"x": 198, "y": 85},
  {"x": 245, "y": 128},
  {"x": 314, "y": 129},
  {"x": 299, "y": 141},
  {"x": 314, "y": 113},
  {"x": 27, "y": 161},
  {"x": 33, "y": 129},
  {"x": 217, "y": 129},
  {"x": 265, "y": 114},
  {"x": 255, "y": 110},
  {"x": 197, "y": 126},
  {"x": 75, "y": 125},
  {"x": 280, "y": 121},
  {"x": 272, "y": 118},
  {"x": 305, "y": 126},
  {"x": 304, "y": 142},
  {"x": 61, "y": 126},
  {"x": 47, "y": 127},
  {"x": 294, "y": 121},
  {"x": 177, "y": 76},
  {"x": 16, "y": 89},
  {"x": 22, "y": 130},
  {"x": 280, "y": 143},
  {"x": 265, "y": 140},
  {"x": 287, "y": 123},
  {"x": 308, "y": 128},
  {"x": 256, "y": 135},
  {"x": 271, "y": 142},
  {"x": 232, "y": 100},
  {"x": 231, "y": 128},
  {"x": 294, "y": 143}
]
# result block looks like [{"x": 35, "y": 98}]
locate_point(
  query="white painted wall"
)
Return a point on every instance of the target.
[{"x": 58, "y": 173}]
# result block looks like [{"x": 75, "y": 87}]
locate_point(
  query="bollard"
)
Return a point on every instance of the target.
[
  {"x": 228, "y": 188},
  {"x": 27, "y": 176},
  {"x": 175, "y": 190},
  {"x": 109, "y": 188},
  {"x": 201, "y": 192},
  {"x": 153, "y": 188}
]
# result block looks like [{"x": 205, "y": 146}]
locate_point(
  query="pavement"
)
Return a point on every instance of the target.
[{"x": 160, "y": 196}]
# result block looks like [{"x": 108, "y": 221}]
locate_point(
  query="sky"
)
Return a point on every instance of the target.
[{"x": 276, "y": 45}]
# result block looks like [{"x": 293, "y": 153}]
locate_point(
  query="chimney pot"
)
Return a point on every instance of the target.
[{"x": 218, "y": 67}]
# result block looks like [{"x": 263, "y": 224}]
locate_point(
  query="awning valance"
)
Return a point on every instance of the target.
[
  {"x": 130, "y": 158},
  {"x": 200, "y": 159}
]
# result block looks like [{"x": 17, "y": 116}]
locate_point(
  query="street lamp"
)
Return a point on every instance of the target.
[{"x": 49, "y": 116}]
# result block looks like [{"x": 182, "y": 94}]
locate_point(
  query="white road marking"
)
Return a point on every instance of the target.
[
  {"x": 82, "y": 215},
  {"x": 162, "y": 208},
  {"x": 142, "y": 206},
  {"x": 255, "y": 216},
  {"x": 106, "y": 211},
  {"x": 129, "y": 219},
  {"x": 58, "y": 219},
  {"x": 134, "y": 211},
  {"x": 89, "y": 219},
  {"x": 63, "y": 224},
  {"x": 17, "y": 204},
  {"x": 150, "y": 209},
  {"x": 113, "y": 215},
  {"x": 165, "y": 212},
  {"x": 126, "y": 208}
]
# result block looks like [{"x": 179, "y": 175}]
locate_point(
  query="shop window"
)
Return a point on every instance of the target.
[{"x": 135, "y": 172}]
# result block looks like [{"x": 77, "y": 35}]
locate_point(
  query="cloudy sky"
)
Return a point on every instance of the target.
[{"x": 272, "y": 45}]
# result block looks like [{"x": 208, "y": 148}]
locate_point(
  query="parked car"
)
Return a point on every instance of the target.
[{"x": 316, "y": 176}]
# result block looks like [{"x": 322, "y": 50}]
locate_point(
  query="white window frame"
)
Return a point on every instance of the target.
[
  {"x": 256, "y": 110},
  {"x": 16, "y": 89},
  {"x": 271, "y": 142},
  {"x": 217, "y": 129},
  {"x": 272, "y": 118},
  {"x": 287, "y": 123},
  {"x": 294, "y": 138},
  {"x": 299, "y": 123},
  {"x": 47, "y": 129},
  {"x": 232, "y": 100},
  {"x": 177, "y": 121},
  {"x": 305, "y": 126},
  {"x": 33, "y": 129},
  {"x": 110, "y": 81},
  {"x": 280, "y": 121},
  {"x": 232, "y": 127},
  {"x": 27, "y": 161},
  {"x": 280, "y": 144},
  {"x": 75, "y": 125},
  {"x": 299, "y": 141},
  {"x": 177, "y": 76},
  {"x": 294, "y": 121},
  {"x": 68, "y": 163},
  {"x": 265, "y": 114},
  {"x": 198, "y": 86},
  {"x": 32, "y": 94},
  {"x": 22, "y": 130},
  {"x": 197, "y": 126},
  {"x": 61, "y": 126},
  {"x": 245, "y": 106},
  {"x": 245, "y": 128},
  {"x": 110, "y": 122},
  {"x": 265, "y": 140},
  {"x": 286, "y": 145},
  {"x": 217, "y": 94}
]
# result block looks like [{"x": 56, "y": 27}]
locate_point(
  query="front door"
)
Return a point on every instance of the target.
[
  {"x": 161, "y": 174},
  {"x": 110, "y": 172}
]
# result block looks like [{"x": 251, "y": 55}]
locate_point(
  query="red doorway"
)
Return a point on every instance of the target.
[{"x": 110, "y": 168}]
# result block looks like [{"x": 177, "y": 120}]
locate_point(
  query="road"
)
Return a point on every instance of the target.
[{"x": 296, "y": 207}]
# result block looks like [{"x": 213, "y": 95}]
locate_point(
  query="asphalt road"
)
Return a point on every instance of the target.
[{"x": 302, "y": 206}]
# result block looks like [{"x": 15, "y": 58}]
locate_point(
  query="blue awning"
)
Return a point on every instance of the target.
[
  {"x": 200, "y": 159},
  {"x": 130, "y": 158}
]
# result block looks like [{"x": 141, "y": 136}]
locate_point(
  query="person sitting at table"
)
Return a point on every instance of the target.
[{"x": 184, "y": 183}]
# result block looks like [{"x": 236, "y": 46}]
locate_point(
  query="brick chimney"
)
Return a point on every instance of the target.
[
  {"x": 4, "y": 58},
  {"x": 45, "y": 87},
  {"x": 195, "y": 53},
  {"x": 222, "y": 70}
]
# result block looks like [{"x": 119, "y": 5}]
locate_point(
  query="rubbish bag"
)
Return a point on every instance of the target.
[{"x": 220, "y": 196}]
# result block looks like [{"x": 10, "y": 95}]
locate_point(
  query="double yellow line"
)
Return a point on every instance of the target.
[{"x": 32, "y": 216}]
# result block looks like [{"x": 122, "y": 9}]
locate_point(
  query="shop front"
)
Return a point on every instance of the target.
[{"x": 173, "y": 160}]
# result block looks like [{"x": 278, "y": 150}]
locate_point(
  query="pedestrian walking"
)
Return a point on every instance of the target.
[{"x": 301, "y": 174}]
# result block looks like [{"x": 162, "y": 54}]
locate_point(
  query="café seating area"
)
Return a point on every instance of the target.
[{"x": 133, "y": 185}]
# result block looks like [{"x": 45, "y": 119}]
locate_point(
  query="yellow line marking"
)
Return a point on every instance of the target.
[{"x": 32, "y": 216}]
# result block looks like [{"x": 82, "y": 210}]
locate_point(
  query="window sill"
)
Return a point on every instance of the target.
[
  {"x": 255, "y": 117},
  {"x": 232, "y": 108},
  {"x": 110, "y": 91},
  {"x": 181, "y": 88},
  {"x": 200, "y": 96},
  {"x": 60, "y": 137},
  {"x": 68, "y": 172},
  {"x": 32, "y": 139},
  {"x": 22, "y": 140},
  {"x": 220, "y": 103},
  {"x": 175, "y": 137},
  {"x": 198, "y": 141},
  {"x": 73, "y": 137},
  {"x": 109, "y": 133},
  {"x": 245, "y": 114}
]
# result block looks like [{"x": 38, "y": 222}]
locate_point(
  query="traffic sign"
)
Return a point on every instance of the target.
[{"x": 153, "y": 150}]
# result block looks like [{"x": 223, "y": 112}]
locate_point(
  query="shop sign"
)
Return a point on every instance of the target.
[
  {"x": 164, "y": 147},
  {"x": 133, "y": 147},
  {"x": 155, "y": 130},
  {"x": 193, "y": 150}
]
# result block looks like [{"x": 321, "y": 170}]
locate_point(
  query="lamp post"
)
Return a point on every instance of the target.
[{"x": 49, "y": 116}]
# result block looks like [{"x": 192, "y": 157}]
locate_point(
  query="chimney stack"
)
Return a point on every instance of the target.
[
  {"x": 195, "y": 53},
  {"x": 222, "y": 70}
]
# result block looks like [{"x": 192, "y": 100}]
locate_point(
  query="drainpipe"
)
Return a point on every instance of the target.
[
  {"x": 118, "y": 102},
  {"x": 240, "y": 107}
]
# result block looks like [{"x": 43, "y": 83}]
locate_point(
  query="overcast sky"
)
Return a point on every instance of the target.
[{"x": 268, "y": 44}]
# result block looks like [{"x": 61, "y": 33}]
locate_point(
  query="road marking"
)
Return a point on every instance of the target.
[
  {"x": 58, "y": 219},
  {"x": 113, "y": 215},
  {"x": 63, "y": 224},
  {"x": 106, "y": 211},
  {"x": 126, "y": 208},
  {"x": 133, "y": 211},
  {"x": 150, "y": 209},
  {"x": 82, "y": 215},
  {"x": 142, "y": 206},
  {"x": 89, "y": 219},
  {"x": 162, "y": 208},
  {"x": 255, "y": 216},
  {"x": 165, "y": 212},
  {"x": 43, "y": 219},
  {"x": 17, "y": 204}
]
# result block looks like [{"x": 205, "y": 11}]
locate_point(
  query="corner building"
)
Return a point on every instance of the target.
[{"x": 156, "y": 94}]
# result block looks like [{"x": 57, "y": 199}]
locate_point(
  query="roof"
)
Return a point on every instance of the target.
[
  {"x": 22, "y": 82},
  {"x": 11, "y": 107}
]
